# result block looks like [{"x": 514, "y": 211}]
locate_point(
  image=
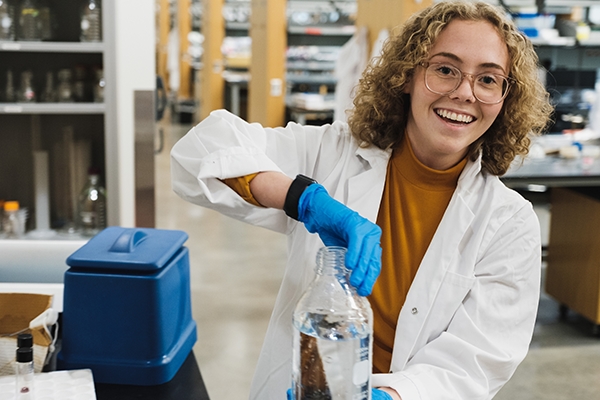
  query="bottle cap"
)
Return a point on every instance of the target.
[
  {"x": 24, "y": 354},
  {"x": 24, "y": 340},
  {"x": 11, "y": 206}
]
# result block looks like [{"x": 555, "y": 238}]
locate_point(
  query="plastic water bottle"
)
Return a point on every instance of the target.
[
  {"x": 91, "y": 205},
  {"x": 333, "y": 325}
]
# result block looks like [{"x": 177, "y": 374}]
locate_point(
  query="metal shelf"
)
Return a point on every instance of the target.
[
  {"x": 52, "y": 47},
  {"x": 323, "y": 30},
  {"x": 311, "y": 65},
  {"x": 52, "y": 108},
  {"x": 311, "y": 79}
]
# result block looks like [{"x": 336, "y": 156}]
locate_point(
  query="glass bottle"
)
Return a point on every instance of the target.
[
  {"x": 332, "y": 335},
  {"x": 45, "y": 20},
  {"x": 91, "y": 205},
  {"x": 79, "y": 84},
  {"x": 11, "y": 221},
  {"x": 91, "y": 21},
  {"x": 28, "y": 21},
  {"x": 24, "y": 373},
  {"x": 65, "y": 86},
  {"x": 99, "y": 85},
  {"x": 27, "y": 92},
  {"x": 9, "y": 94},
  {"x": 7, "y": 20},
  {"x": 49, "y": 95}
]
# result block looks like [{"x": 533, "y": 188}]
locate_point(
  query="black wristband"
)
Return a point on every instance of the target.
[{"x": 292, "y": 198}]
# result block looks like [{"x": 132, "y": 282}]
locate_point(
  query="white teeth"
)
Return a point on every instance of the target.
[{"x": 454, "y": 116}]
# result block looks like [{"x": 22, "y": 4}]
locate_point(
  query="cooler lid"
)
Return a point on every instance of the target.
[{"x": 139, "y": 249}]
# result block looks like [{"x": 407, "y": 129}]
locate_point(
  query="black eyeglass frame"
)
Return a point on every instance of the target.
[{"x": 427, "y": 64}]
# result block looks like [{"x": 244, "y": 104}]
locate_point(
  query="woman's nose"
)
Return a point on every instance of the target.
[{"x": 464, "y": 91}]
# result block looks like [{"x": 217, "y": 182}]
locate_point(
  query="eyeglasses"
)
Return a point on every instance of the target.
[{"x": 488, "y": 88}]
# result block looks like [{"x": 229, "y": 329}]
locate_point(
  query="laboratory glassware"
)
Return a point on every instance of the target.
[
  {"x": 65, "y": 86},
  {"x": 91, "y": 21},
  {"x": 29, "y": 15},
  {"x": 27, "y": 91},
  {"x": 12, "y": 225},
  {"x": 332, "y": 338},
  {"x": 91, "y": 205},
  {"x": 7, "y": 20}
]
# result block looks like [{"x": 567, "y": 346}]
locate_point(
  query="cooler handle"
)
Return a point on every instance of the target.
[{"x": 128, "y": 240}]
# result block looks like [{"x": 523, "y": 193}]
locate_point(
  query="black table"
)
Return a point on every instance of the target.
[{"x": 187, "y": 384}]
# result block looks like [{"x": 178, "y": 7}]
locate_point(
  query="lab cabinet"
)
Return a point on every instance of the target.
[
  {"x": 573, "y": 271},
  {"x": 103, "y": 129}
]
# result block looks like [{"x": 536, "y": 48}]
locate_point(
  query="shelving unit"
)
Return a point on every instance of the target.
[
  {"x": 114, "y": 135},
  {"x": 316, "y": 32}
]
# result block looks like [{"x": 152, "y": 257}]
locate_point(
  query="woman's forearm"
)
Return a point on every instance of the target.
[{"x": 269, "y": 188}]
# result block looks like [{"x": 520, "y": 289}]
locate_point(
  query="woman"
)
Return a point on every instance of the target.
[{"x": 437, "y": 119}]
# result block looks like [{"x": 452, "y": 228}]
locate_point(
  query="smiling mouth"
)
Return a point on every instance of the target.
[{"x": 455, "y": 117}]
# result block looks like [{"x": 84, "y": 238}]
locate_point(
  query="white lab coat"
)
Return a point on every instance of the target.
[{"x": 469, "y": 315}]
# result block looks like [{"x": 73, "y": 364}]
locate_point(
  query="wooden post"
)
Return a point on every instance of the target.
[
  {"x": 266, "y": 89},
  {"x": 211, "y": 79},
  {"x": 386, "y": 14},
  {"x": 184, "y": 20}
]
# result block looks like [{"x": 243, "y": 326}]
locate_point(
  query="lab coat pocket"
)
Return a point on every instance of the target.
[{"x": 452, "y": 292}]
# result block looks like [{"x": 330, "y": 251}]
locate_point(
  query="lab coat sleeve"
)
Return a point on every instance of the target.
[
  {"x": 491, "y": 330},
  {"x": 225, "y": 146}
]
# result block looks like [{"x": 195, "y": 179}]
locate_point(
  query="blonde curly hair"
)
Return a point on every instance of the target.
[{"x": 381, "y": 108}]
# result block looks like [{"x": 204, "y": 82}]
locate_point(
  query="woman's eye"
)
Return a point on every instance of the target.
[
  {"x": 488, "y": 80},
  {"x": 445, "y": 70}
]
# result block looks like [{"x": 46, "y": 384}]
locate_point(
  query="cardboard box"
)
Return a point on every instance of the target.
[{"x": 16, "y": 311}]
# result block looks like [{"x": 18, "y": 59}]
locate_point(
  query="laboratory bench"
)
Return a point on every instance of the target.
[
  {"x": 187, "y": 384},
  {"x": 572, "y": 188}
]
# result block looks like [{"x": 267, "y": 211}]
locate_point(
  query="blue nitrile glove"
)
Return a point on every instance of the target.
[
  {"x": 337, "y": 225},
  {"x": 376, "y": 394}
]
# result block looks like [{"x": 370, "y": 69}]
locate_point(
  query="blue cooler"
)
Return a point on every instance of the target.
[{"x": 127, "y": 306}]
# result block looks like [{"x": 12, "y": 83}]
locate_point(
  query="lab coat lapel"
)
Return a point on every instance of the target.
[
  {"x": 446, "y": 246},
  {"x": 365, "y": 189}
]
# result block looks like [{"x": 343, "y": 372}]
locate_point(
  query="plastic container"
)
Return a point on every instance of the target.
[
  {"x": 127, "y": 306},
  {"x": 11, "y": 222},
  {"x": 332, "y": 345}
]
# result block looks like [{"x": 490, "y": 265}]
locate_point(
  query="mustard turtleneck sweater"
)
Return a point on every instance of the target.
[{"x": 413, "y": 203}]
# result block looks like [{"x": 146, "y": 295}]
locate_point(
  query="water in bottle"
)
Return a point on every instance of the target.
[{"x": 332, "y": 339}]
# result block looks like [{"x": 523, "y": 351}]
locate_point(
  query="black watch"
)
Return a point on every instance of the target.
[{"x": 292, "y": 198}]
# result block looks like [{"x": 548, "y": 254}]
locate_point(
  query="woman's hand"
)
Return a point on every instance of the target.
[
  {"x": 376, "y": 394},
  {"x": 338, "y": 225}
]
